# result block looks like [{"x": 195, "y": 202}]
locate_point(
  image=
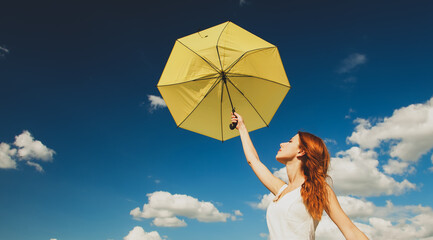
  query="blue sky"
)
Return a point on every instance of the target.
[{"x": 81, "y": 146}]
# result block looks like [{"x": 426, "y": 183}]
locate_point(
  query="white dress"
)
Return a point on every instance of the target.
[{"x": 288, "y": 218}]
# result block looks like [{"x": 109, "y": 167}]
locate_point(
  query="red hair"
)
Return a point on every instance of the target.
[{"x": 315, "y": 163}]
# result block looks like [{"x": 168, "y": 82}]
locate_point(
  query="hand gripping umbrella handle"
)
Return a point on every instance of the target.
[{"x": 233, "y": 124}]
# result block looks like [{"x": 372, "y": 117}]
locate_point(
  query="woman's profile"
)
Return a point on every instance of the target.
[{"x": 298, "y": 205}]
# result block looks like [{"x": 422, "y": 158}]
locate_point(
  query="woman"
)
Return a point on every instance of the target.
[{"x": 298, "y": 205}]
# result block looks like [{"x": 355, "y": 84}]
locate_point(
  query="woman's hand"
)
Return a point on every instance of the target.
[{"x": 238, "y": 118}]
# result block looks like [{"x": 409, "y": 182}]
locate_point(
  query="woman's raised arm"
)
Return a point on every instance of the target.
[{"x": 262, "y": 172}]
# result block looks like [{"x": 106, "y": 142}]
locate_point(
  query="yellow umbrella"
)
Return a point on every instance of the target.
[{"x": 211, "y": 72}]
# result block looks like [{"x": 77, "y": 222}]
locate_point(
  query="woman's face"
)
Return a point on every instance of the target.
[{"x": 288, "y": 150}]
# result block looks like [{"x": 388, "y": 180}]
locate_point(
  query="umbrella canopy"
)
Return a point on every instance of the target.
[{"x": 215, "y": 70}]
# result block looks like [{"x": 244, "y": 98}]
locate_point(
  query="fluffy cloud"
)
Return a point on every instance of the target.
[
  {"x": 156, "y": 102},
  {"x": 327, "y": 230},
  {"x": 264, "y": 235},
  {"x": 264, "y": 202},
  {"x": 169, "y": 222},
  {"x": 351, "y": 62},
  {"x": 389, "y": 222},
  {"x": 237, "y": 213},
  {"x": 398, "y": 167},
  {"x": 37, "y": 166},
  {"x": 330, "y": 141},
  {"x": 6, "y": 154},
  {"x": 266, "y": 199},
  {"x": 27, "y": 149},
  {"x": 349, "y": 114},
  {"x": 408, "y": 132},
  {"x": 163, "y": 207},
  {"x": 356, "y": 208},
  {"x": 138, "y": 233},
  {"x": 355, "y": 172},
  {"x": 281, "y": 174}
]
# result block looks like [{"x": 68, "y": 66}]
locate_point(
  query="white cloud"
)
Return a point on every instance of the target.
[
  {"x": 237, "y": 213},
  {"x": 398, "y": 167},
  {"x": 265, "y": 235},
  {"x": 264, "y": 202},
  {"x": 28, "y": 148},
  {"x": 327, "y": 230},
  {"x": 3, "y": 51},
  {"x": 138, "y": 233},
  {"x": 349, "y": 114},
  {"x": 282, "y": 174},
  {"x": 242, "y": 2},
  {"x": 6, "y": 154},
  {"x": 408, "y": 132},
  {"x": 169, "y": 222},
  {"x": 387, "y": 222},
  {"x": 355, "y": 172},
  {"x": 417, "y": 227},
  {"x": 351, "y": 62},
  {"x": 357, "y": 208},
  {"x": 164, "y": 207},
  {"x": 266, "y": 199},
  {"x": 37, "y": 166},
  {"x": 330, "y": 141},
  {"x": 157, "y": 181},
  {"x": 156, "y": 102}
]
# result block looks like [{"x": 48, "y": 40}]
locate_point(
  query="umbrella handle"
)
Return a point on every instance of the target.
[{"x": 233, "y": 124}]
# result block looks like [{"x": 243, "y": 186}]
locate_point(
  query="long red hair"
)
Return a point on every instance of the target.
[{"x": 315, "y": 165}]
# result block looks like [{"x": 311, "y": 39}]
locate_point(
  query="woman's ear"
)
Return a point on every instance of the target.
[{"x": 301, "y": 153}]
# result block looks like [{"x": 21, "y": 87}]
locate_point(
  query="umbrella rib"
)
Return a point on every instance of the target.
[
  {"x": 221, "y": 112},
  {"x": 210, "y": 64},
  {"x": 248, "y": 101},
  {"x": 247, "y": 52},
  {"x": 194, "y": 80},
  {"x": 264, "y": 79},
  {"x": 210, "y": 90},
  {"x": 218, "y": 52}
]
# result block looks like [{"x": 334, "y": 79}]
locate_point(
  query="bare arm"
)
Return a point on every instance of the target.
[
  {"x": 262, "y": 172},
  {"x": 336, "y": 213}
]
